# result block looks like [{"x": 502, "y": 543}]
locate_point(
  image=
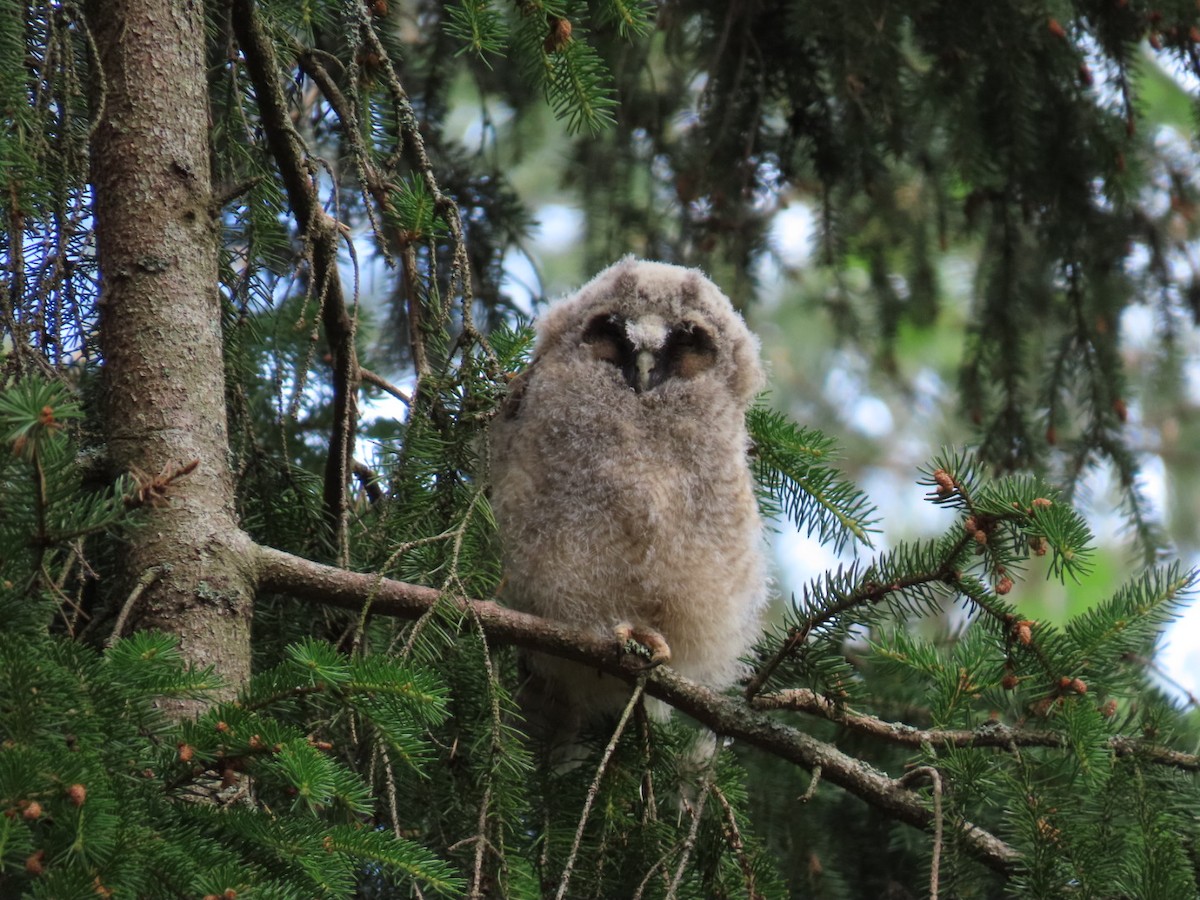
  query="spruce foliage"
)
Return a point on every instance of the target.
[{"x": 377, "y": 757}]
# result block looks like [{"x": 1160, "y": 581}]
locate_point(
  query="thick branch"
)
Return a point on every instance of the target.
[{"x": 284, "y": 573}]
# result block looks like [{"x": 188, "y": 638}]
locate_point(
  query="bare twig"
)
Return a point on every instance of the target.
[
  {"x": 476, "y": 892},
  {"x": 733, "y": 837},
  {"x": 409, "y": 281},
  {"x": 386, "y": 386},
  {"x": 497, "y": 748},
  {"x": 689, "y": 842},
  {"x": 390, "y": 776},
  {"x": 148, "y": 578},
  {"x": 935, "y": 864},
  {"x": 659, "y": 864},
  {"x": 814, "y": 782}
]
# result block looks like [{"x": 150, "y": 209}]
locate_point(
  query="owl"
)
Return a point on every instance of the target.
[{"x": 621, "y": 486}]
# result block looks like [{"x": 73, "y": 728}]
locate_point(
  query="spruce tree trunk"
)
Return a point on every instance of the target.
[{"x": 160, "y": 326}]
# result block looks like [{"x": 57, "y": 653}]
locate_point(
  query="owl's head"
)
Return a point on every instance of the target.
[{"x": 653, "y": 325}]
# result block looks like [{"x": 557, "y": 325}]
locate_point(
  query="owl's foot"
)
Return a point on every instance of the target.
[{"x": 643, "y": 642}]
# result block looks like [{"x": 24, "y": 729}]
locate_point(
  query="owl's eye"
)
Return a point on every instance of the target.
[
  {"x": 606, "y": 337},
  {"x": 690, "y": 350}
]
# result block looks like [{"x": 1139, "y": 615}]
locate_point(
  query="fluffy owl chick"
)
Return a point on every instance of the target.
[{"x": 620, "y": 481}]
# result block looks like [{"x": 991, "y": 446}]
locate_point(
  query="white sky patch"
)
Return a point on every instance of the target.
[
  {"x": 1152, "y": 479},
  {"x": 792, "y": 234},
  {"x": 800, "y": 558},
  {"x": 929, "y": 388},
  {"x": 385, "y": 406},
  {"x": 1137, "y": 327},
  {"x": 905, "y": 512},
  {"x": 1191, "y": 379},
  {"x": 773, "y": 286},
  {"x": 480, "y": 131},
  {"x": 520, "y": 282},
  {"x": 1179, "y": 652},
  {"x": 870, "y": 416},
  {"x": 842, "y": 385},
  {"x": 559, "y": 227}
]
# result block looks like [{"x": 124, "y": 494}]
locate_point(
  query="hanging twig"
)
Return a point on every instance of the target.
[
  {"x": 689, "y": 843},
  {"x": 594, "y": 787},
  {"x": 659, "y": 864},
  {"x": 481, "y": 844},
  {"x": 324, "y": 233},
  {"x": 733, "y": 837},
  {"x": 148, "y": 578},
  {"x": 935, "y": 864}
]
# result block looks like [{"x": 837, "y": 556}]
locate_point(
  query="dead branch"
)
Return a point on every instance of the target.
[{"x": 991, "y": 734}]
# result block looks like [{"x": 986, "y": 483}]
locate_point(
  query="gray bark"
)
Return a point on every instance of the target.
[{"x": 160, "y": 325}]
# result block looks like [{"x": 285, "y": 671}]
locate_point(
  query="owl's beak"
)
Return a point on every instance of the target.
[
  {"x": 645, "y": 367},
  {"x": 648, "y": 371}
]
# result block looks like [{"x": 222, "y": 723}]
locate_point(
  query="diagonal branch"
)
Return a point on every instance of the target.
[
  {"x": 283, "y": 573},
  {"x": 867, "y": 593}
]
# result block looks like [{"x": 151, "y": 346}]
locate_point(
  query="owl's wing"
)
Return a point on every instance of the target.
[{"x": 510, "y": 408}]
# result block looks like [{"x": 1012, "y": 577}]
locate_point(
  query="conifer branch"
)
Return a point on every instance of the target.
[
  {"x": 991, "y": 734},
  {"x": 867, "y": 593},
  {"x": 284, "y": 573},
  {"x": 314, "y": 582}
]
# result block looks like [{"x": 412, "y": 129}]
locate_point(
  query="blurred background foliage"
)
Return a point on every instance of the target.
[
  {"x": 973, "y": 265},
  {"x": 949, "y": 225}
]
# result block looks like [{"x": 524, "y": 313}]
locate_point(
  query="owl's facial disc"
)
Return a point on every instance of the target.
[{"x": 648, "y": 351}]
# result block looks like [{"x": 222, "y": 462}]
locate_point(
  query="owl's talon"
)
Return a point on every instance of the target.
[{"x": 643, "y": 642}]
